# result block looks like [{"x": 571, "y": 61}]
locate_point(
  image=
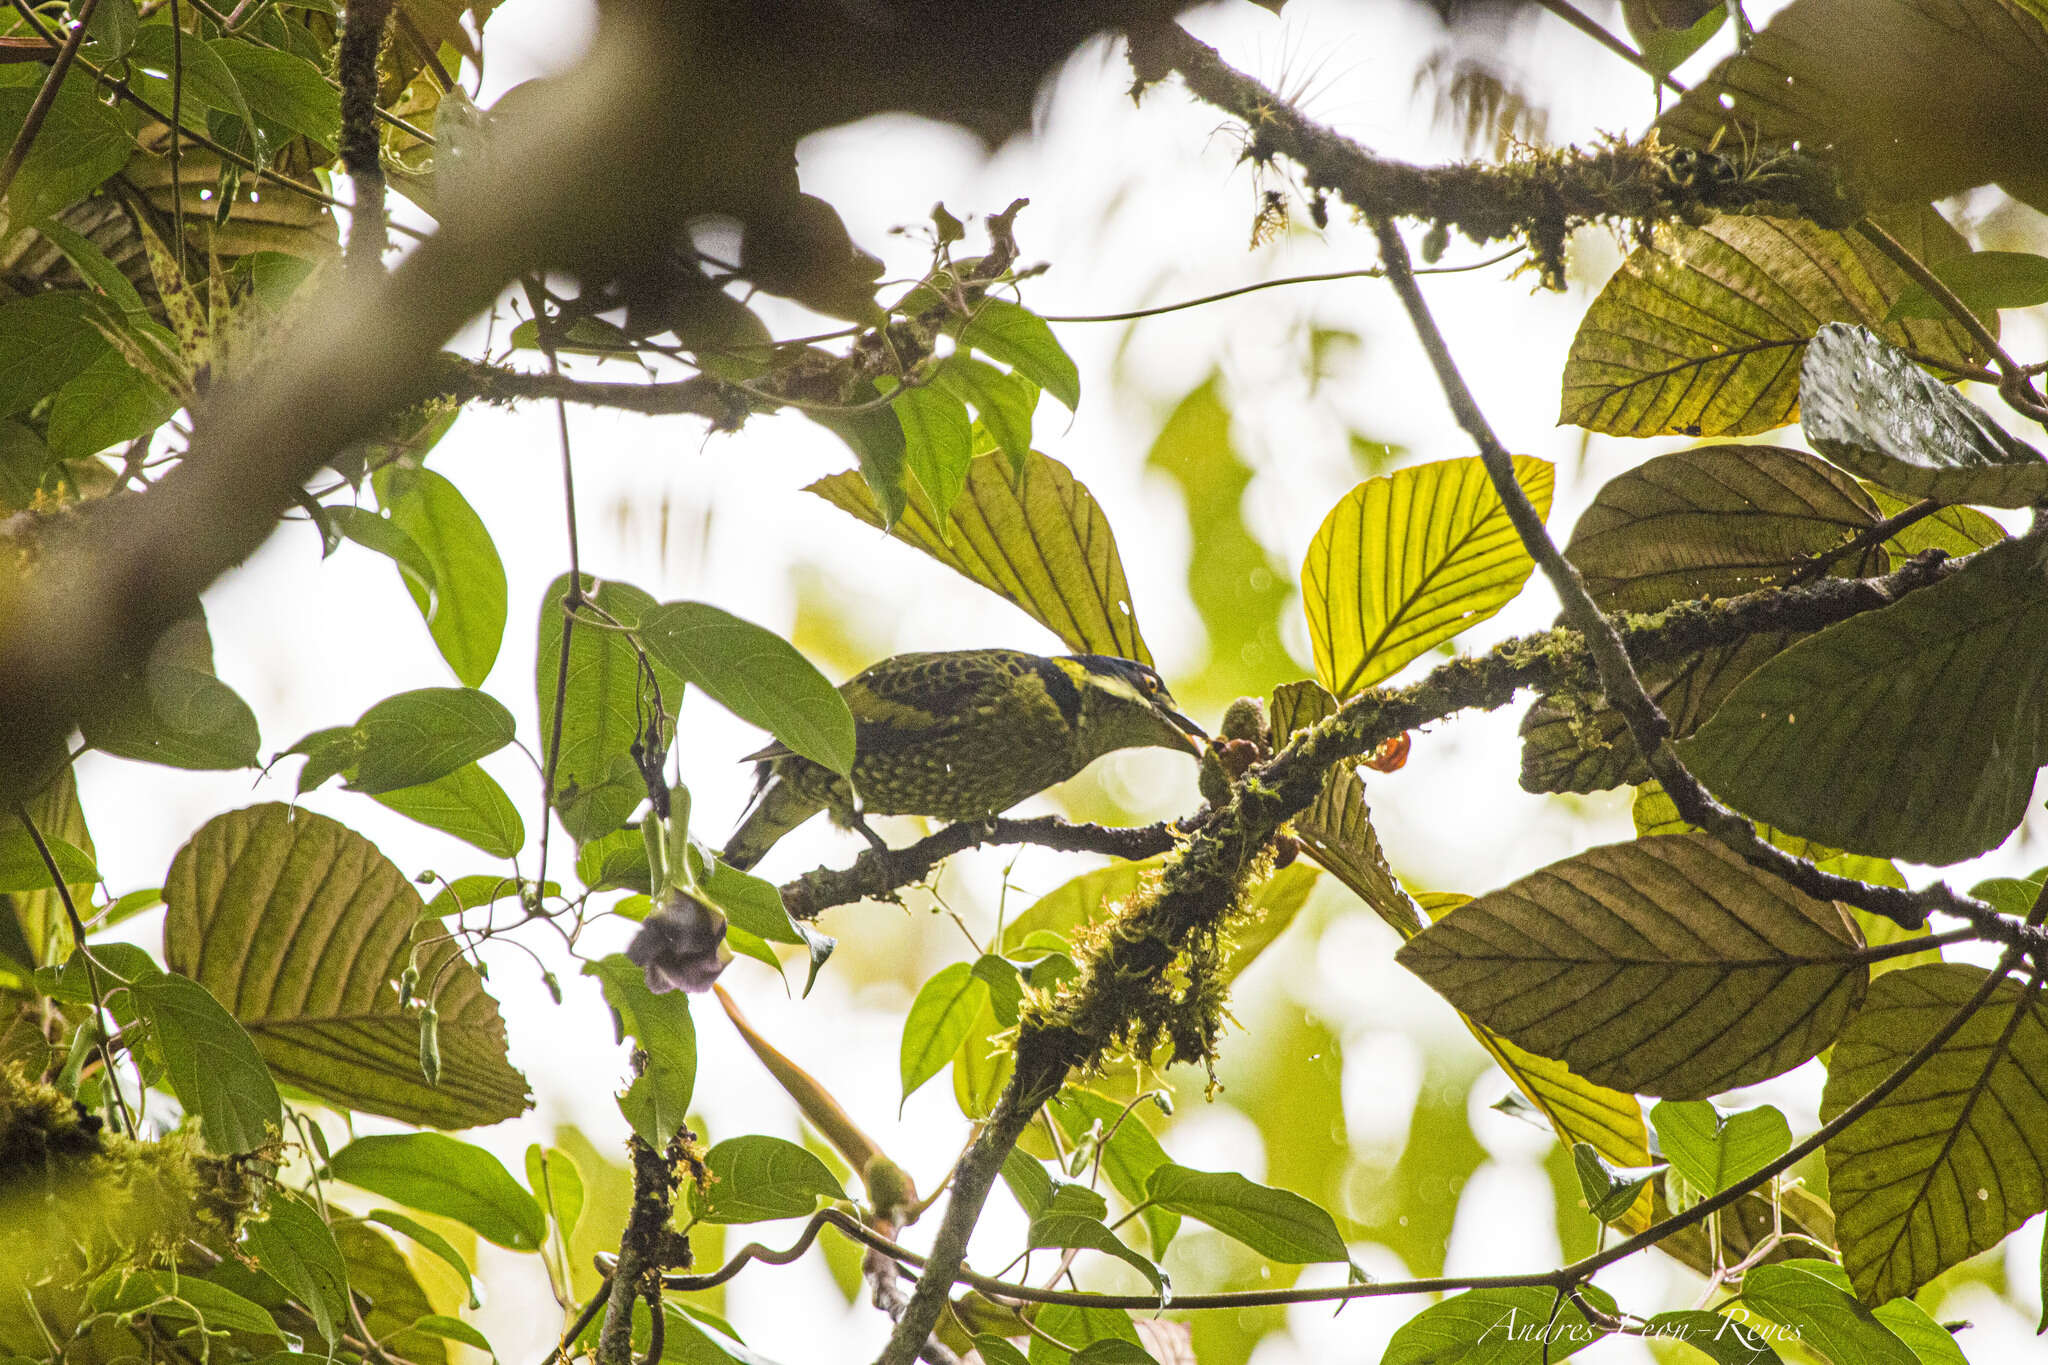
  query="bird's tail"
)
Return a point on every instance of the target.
[{"x": 779, "y": 806}]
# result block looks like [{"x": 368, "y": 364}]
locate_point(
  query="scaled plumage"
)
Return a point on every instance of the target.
[{"x": 964, "y": 735}]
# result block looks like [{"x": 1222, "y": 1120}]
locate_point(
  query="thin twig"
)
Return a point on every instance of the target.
[
  {"x": 1577, "y": 18},
  {"x": 92, "y": 973},
  {"x": 1877, "y": 533},
  {"x": 39, "y": 109},
  {"x": 1371, "y": 272},
  {"x": 571, "y": 600}
]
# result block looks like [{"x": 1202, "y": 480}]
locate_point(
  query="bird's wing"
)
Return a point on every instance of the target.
[{"x": 912, "y": 699}]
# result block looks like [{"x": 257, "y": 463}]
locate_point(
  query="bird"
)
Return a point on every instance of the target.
[{"x": 963, "y": 735}]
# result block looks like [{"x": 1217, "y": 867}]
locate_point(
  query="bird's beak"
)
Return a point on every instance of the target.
[{"x": 1194, "y": 734}]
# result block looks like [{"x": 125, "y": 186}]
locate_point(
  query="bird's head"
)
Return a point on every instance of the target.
[{"x": 1125, "y": 705}]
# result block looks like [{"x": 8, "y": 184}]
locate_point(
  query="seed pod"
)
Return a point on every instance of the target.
[{"x": 430, "y": 1044}]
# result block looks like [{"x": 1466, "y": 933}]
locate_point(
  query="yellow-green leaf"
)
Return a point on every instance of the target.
[
  {"x": 1407, "y": 561},
  {"x": 299, "y": 926},
  {"x": 1702, "y": 332},
  {"x": 1033, "y": 536}
]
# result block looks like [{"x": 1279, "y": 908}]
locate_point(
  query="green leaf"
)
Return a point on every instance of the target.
[
  {"x": 553, "y": 1175},
  {"x": 81, "y": 143},
  {"x": 214, "y": 1066},
  {"x": 1949, "y": 1162},
  {"x": 1714, "y": 1150},
  {"x": 1731, "y": 975},
  {"x": 209, "y": 83},
  {"x": 22, "y": 867},
  {"x": 1079, "y": 901},
  {"x": 1909, "y": 732},
  {"x": 876, "y": 439},
  {"x": 1403, "y": 563},
  {"x": 299, "y": 926},
  {"x": 1666, "y": 48},
  {"x": 1868, "y": 407},
  {"x": 381, "y": 1275},
  {"x": 1130, "y": 1154},
  {"x": 1002, "y": 401},
  {"x": 432, "y": 1241},
  {"x": 1028, "y": 1182},
  {"x": 937, "y": 445},
  {"x": 380, "y": 533},
  {"x": 756, "y": 674},
  {"x": 477, "y": 890},
  {"x": 938, "y": 1020},
  {"x": 111, "y": 402},
  {"x": 292, "y": 1244},
  {"x": 993, "y": 1350},
  {"x": 1812, "y": 1298},
  {"x": 1985, "y": 281},
  {"x": 464, "y": 606},
  {"x": 467, "y": 803},
  {"x": 613, "y": 861},
  {"x": 1076, "y": 1230},
  {"x": 1498, "y": 1327},
  {"x": 418, "y": 736},
  {"x": 452, "y": 1329},
  {"x": 1955, "y": 531},
  {"x": 171, "y": 709},
  {"x": 1930, "y": 1342},
  {"x": 657, "y": 1103},
  {"x": 130, "y": 1293},
  {"x": 751, "y": 903},
  {"x": 1702, "y": 332},
  {"x": 46, "y": 340},
  {"x": 1020, "y": 339},
  {"x": 597, "y": 784},
  {"x": 1579, "y": 1112},
  {"x": 1081, "y": 1328},
  {"x": 981, "y": 1066},
  {"x": 93, "y": 265},
  {"x": 757, "y": 1178},
  {"x": 1033, "y": 537},
  {"x": 1734, "y": 1338},
  {"x": 283, "y": 88},
  {"x": 111, "y": 31},
  {"x": 1610, "y": 1193},
  {"x": 2014, "y": 896},
  {"x": 436, "y": 1174},
  {"x": 1278, "y": 1224},
  {"x": 1240, "y": 590}
]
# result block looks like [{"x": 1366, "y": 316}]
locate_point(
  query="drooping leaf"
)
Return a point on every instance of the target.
[
  {"x": 1665, "y": 966},
  {"x": 1020, "y": 339},
  {"x": 379, "y": 1272},
  {"x": 1610, "y": 1191},
  {"x": 1957, "y": 1156},
  {"x": 214, "y": 1066},
  {"x": 298, "y": 925},
  {"x": 1035, "y": 538},
  {"x": 876, "y": 438},
  {"x": 433, "y": 1241},
  {"x": 467, "y": 803},
  {"x": 1915, "y": 101},
  {"x": 1003, "y": 402},
  {"x": 757, "y": 1178},
  {"x": 1130, "y": 1154},
  {"x": 1912, "y": 732},
  {"x": 938, "y": 1020},
  {"x": 293, "y": 1245},
  {"x": 39, "y": 915},
  {"x": 379, "y": 533},
  {"x": 436, "y": 1174},
  {"x": 1498, "y": 1327},
  {"x": 1077, "y": 1231},
  {"x": 22, "y": 867},
  {"x": 464, "y": 606},
  {"x": 981, "y": 1066},
  {"x": 1702, "y": 332},
  {"x": 597, "y": 784},
  {"x": 1407, "y": 561},
  {"x": 752, "y": 903},
  {"x": 657, "y": 1103},
  {"x": 1868, "y": 407},
  {"x": 754, "y": 673},
  {"x": 172, "y": 709},
  {"x": 1278, "y": 1224},
  {"x": 1714, "y": 1150},
  {"x": 552, "y": 1175},
  {"x": 1578, "y": 1111},
  {"x": 1238, "y": 587},
  {"x": 938, "y": 443},
  {"x": 1812, "y": 1298}
]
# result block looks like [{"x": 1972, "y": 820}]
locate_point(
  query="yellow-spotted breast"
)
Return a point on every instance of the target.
[{"x": 964, "y": 735}]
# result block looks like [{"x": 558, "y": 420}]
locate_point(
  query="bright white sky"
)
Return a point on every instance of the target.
[{"x": 1131, "y": 207}]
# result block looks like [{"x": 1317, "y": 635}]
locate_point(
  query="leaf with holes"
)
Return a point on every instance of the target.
[
  {"x": 1408, "y": 561},
  {"x": 1702, "y": 332},
  {"x": 298, "y": 925},
  {"x": 1957, "y": 1156},
  {"x": 1665, "y": 966},
  {"x": 1034, "y": 537},
  {"x": 1868, "y": 407},
  {"x": 1909, "y": 732}
]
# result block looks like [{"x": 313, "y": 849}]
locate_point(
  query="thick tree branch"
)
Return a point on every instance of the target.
[
  {"x": 362, "y": 38},
  {"x": 1540, "y": 198}
]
